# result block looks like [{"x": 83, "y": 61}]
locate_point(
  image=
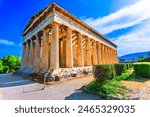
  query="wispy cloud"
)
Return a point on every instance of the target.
[
  {"x": 123, "y": 18},
  {"x": 138, "y": 39},
  {"x": 6, "y": 42}
]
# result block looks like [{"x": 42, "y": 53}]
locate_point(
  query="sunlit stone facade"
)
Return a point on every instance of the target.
[{"x": 55, "y": 39}]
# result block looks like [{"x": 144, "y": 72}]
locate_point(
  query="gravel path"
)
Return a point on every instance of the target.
[{"x": 16, "y": 88}]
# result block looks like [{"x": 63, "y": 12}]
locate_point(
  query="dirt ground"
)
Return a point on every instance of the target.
[{"x": 137, "y": 87}]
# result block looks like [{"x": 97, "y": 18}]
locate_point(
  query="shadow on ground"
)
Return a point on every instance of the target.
[
  {"x": 136, "y": 78},
  {"x": 12, "y": 80}
]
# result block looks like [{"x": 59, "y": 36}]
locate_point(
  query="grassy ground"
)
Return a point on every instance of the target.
[{"x": 127, "y": 85}]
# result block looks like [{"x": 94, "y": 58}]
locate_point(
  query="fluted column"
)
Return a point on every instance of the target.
[
  {"x": 27, "y": 55},
  {"x": 102, "y": 51},
  {"x": 23, "y": 56},
  {"x": 88, "y": 50},
  {"x": 109, "y": 51},
  {"x": 31, "y": 54},
  {"x": 37, "y": 54},
  {"x": 109, "y": 57},
  {"x": 105, "y": 56},
  {"x": 99, "y": 54},
  {"x": 116, "y": 57},
  {"x": 54, "y": 63},
  {"x": 69, "y": 50},
  {"x": 80, "y": 51},
  {"x": 45, "y": 51},
  {"x": 113, "y": 56},
  {"x": 94, "y": 54}
]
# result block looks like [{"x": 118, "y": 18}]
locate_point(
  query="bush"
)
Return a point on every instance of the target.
[
  {"x": 142, "y": 69},
  {"x": 128, "y": 66},
  {"x": 102, "y": 73},
  {"x": 120, "y": 69}
]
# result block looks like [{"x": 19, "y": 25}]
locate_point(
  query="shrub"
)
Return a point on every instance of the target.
[
  {"x": 128, "y": 66},
  {"x": 102, "y": 73},
  {"x": 120, "y": 69},
  {"x": 142, "y": 69}
]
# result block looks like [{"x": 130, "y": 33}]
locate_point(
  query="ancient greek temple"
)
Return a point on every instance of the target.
[{"x": 55, "y": 39}]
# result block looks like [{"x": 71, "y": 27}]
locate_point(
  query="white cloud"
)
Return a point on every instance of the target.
[
  {"x": 123, "y": 18},
  {"x": 6, "y": 42},
  {"x": 138, "y": 39}
]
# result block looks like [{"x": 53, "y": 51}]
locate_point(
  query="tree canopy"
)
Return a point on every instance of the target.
[{"x": 9, "y": 64}]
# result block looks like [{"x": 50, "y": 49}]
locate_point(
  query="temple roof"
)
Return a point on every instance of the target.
[{"x": 54, "y": 5}]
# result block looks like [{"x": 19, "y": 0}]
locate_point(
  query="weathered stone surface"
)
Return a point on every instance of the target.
[{"x": 62, "y": 41}]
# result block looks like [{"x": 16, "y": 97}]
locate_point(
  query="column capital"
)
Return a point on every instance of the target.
[{"x": 69, "y": 29}]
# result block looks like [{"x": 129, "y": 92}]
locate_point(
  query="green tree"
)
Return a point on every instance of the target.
[
  {"x": 11, "y": 63},
  {"x": 1, "y": 66}
]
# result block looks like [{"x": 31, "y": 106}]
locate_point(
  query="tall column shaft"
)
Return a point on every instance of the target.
[
  {"x": 54, "y": 63},
  {"x": 27, "y": 55},
  {"x": 23, "y": 56},
  {"x": 113, "y": 56},
  {"x": 99, "y": 53},
  {"x": 45, "y": 52},
  {"x": 80, "y": 51},
  {"x": 69, "y": 50},
  {"x": 37, "y": 54},
  {"x": 64, "y": 52},
  {"x": 104, "y": 55},
  {"x": 94, "y": 54},
  {"x": 106, "y": 51},
  {"x": 116, "y": 57},
  {"x": 109, "y": 58},
  {"x": 31, "y": 54},
  {"x": 88, "y": 50}
]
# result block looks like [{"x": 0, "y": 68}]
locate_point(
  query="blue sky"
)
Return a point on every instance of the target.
[{"x": 125, "y": 22}]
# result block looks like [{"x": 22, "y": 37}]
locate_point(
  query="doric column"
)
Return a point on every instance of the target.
[
  {"x": 113, "y": 56},
  {"x": 109, "y": 57},
  {"x": 116, "y": 57},
  {"x": 102, "y": 51},
  {"x": 54, "y": 63},
  {"x": 31, "y": 54},
  {"x": 88, "y": 53},
  {"x": 99, "y": 54},
  {"x": 45, "y": 51},
  {"x": 64, "y": 52},
  {"x": 94, "y": 53},
  {"x": 27, "y": 55},
  {"x": 106, "y": 51},
  {"x": 69, "y": 51},
  {"x": 37, "y": 54},
  {"x": 105, "y": 61},
  {"x": 80, "y": 51},
  {"x": 23, "y": 56}
]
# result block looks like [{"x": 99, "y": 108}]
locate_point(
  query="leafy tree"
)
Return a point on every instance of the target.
[
  {"x": 9, "y": 64},
  {"x": 1, "y": 66}
]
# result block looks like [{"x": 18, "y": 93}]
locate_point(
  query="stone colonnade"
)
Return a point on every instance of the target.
[{"x": 58, "y": 46}]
